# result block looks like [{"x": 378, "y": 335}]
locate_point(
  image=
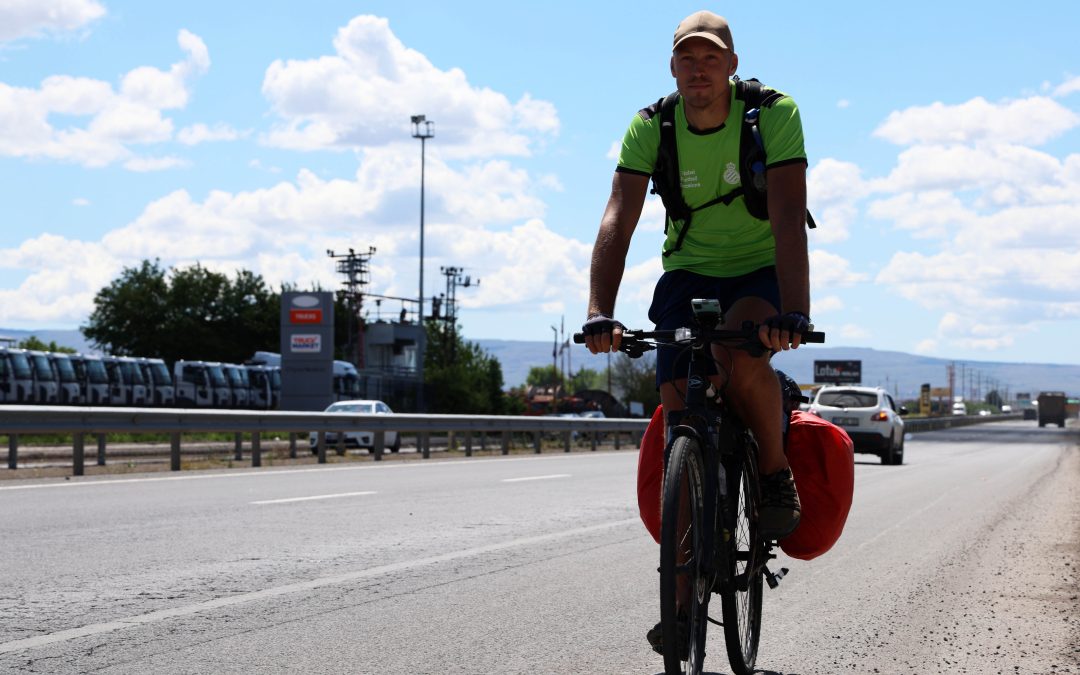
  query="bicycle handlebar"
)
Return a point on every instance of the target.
[{"x": 638, "y": 341}]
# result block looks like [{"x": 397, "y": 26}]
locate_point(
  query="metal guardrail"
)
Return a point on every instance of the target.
[
  {"x": 948, "y": 421},
  {"x": 80, "y": 422}
]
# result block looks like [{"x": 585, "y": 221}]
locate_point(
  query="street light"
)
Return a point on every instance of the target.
[{"x": 422, "y": 129}]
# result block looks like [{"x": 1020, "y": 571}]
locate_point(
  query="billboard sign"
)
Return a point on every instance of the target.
[
  {"x": 307, "y": 350},
  {"x": 837, "y": 372}
]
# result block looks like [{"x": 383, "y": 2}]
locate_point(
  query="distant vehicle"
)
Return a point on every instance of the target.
[
  {"x": 1006, "y": 408},
  {"x": 71, "y": 391},
  {"x": 201, "y": 384},
  {"x": 16, "y": 377},
  {"x": 984, "y": 413},
  {"x": 239, "y": 385},
  {"x": 127, "y": 386},
  {"x": 959, "y": 408},
  {"x": 260, "y": 387},
  {"x": 359, "y": 439},
  {"x": 46, "y": 381},
  {"x": 870, "y": 417},
  {"x": 159, "y": 382},
  {"x": 1052, "y": 408},
  {"x": 93, "y": 378},
  {"x": 346, "y": 381}
]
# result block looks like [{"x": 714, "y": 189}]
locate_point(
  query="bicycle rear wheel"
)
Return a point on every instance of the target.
[
  {"x": 684, "y": 592},
  {"x": 740, "y": 595}
]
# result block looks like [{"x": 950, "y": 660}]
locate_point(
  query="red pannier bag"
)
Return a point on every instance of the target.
[
  {"x": 650, "y": 473},
  {"x": 822, "y": 460}
]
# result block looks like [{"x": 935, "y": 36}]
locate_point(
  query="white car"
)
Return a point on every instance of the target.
[
  {"x": 870, "y": 417},
  {"x": 358, "y": 439}
]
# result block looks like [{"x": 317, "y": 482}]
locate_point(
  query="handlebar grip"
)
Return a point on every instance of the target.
[
  {"x": 814, "y": 336},
  {"x": 579, "y": 338}
]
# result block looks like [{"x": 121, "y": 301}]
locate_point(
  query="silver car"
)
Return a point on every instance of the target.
[{"x": 869, "y": 415}]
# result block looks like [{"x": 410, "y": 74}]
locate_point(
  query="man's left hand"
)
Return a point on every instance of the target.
[{"x": 784, "y": 331}]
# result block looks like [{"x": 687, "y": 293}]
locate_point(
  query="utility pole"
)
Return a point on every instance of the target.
[
  {"x": 454, "y": 279},
  {"x": 354, "y": 267},
  {"x": 422, "y": 129}
]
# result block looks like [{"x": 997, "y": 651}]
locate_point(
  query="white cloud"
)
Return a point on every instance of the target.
[
  {"x": 852, "y": 331},
  {"x": 828, "y": 270},
  {"x": 201, "y": 133},
  {"x": 829, "y": 304},
  {"x": 1070, "y": 86},
  {"x": 32, "y": 18},
  {"x": 995, "y": 213},
  {"x": 146, "y": 164},
  {"x": 482, "y": 216},
  {"x": 834, "y": 189},
  {"x": 80, "y": 201},
  {"x": 50, "y": 122},
  {"x": 1031, "y": 121},
  {"x": 843, "y": 103},
  {"x": 367, "y": 91}
]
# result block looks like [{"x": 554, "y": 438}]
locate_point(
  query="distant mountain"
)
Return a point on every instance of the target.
[
  {"x": 62, "y": 338},
  {"x": 901, "y": 373}
]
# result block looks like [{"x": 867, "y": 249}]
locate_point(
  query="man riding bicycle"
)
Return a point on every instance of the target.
[{"x": 758, "y": 268}]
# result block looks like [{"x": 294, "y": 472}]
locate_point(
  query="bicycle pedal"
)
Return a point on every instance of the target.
[{"x": 774, "y": 579}]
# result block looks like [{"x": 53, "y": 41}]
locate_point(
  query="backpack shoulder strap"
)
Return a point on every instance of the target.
[
  {"x": 752, "y": 158},
  {"x": 665, "y": 176}
]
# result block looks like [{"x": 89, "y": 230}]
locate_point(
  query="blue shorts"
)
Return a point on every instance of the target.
[{"x": 671, "y": 308}]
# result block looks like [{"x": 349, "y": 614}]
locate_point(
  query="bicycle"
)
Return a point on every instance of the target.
[{"x": 709, "y": 542}]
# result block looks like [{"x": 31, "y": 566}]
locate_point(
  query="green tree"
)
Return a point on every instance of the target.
[
  {"x": 544, "y": 376},
  {"x": 189, "y": 313},
  {"x": 635, "y": 380},
  {"x": 587, "y": 378},
  {"x": 460, "y": 377},
  {"x": 34, "y": 343}
]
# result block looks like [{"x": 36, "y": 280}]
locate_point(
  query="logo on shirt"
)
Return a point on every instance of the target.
[
  {"x": 731, "y": 174},
  {"x": 689, "y": 179}
]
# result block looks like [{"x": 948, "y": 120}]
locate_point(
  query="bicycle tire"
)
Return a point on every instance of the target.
[
  {"x": 681, "y": 558},
  {"x": 740, "y": 594}
]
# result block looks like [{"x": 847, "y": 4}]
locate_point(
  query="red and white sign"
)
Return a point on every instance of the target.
[
  {"x": 305, "y": 316},
  {"x": 305, "y": 344}
]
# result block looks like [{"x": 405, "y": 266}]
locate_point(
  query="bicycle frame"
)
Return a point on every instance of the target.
[{"x": 724, "y": 440}]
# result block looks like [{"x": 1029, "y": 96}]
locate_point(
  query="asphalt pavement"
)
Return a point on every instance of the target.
[{"x": 964, "y": 559}]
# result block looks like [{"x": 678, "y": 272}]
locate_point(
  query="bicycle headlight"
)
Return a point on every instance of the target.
[{"x": 683, "y": 335}]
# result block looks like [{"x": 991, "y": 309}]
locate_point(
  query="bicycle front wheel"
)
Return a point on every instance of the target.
[
  {"x": 684, "y": 590},
  {"x": 740, "y": 594}
]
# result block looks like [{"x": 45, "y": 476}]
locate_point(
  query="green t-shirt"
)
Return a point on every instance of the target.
[{"x": 723, "y": 240}]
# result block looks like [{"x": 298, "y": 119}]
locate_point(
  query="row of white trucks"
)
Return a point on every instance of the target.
[{"x": 54, "y": 378}]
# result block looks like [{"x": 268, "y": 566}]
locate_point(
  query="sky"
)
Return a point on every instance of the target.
[{"x": 943, "y": 143}]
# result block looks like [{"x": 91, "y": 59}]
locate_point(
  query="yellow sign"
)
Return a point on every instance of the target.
[{"x": 939, "y": 392}]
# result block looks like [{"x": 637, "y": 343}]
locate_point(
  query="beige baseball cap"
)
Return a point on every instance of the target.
[{"x": 705, "y": 24}]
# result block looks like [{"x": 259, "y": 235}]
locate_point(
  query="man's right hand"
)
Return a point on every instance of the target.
[{"x": 602, "y": 333}]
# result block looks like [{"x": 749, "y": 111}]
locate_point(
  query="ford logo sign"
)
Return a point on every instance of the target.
[{"x": 305, "y": 301}]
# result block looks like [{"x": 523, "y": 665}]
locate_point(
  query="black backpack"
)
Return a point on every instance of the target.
[{"x": 752, "y": 163}]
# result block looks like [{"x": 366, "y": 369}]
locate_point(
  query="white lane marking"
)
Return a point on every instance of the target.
[
  {"x": 308, "y": 499},
  {"x": 277, "y": 591},
  {"x": 521, "y": 480},
  {"x": 262, "y": 473}
]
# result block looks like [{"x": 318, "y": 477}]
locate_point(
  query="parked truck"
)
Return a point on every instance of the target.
[{"x": 1052, "y": 408}]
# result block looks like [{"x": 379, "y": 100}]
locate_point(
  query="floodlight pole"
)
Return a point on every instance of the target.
[{"x": 422, "y": 129}]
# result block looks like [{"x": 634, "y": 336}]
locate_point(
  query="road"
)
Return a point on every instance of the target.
[{"x": 964, "y": 560}]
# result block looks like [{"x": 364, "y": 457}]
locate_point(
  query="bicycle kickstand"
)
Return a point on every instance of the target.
[{"x": 774, "y": 579}]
